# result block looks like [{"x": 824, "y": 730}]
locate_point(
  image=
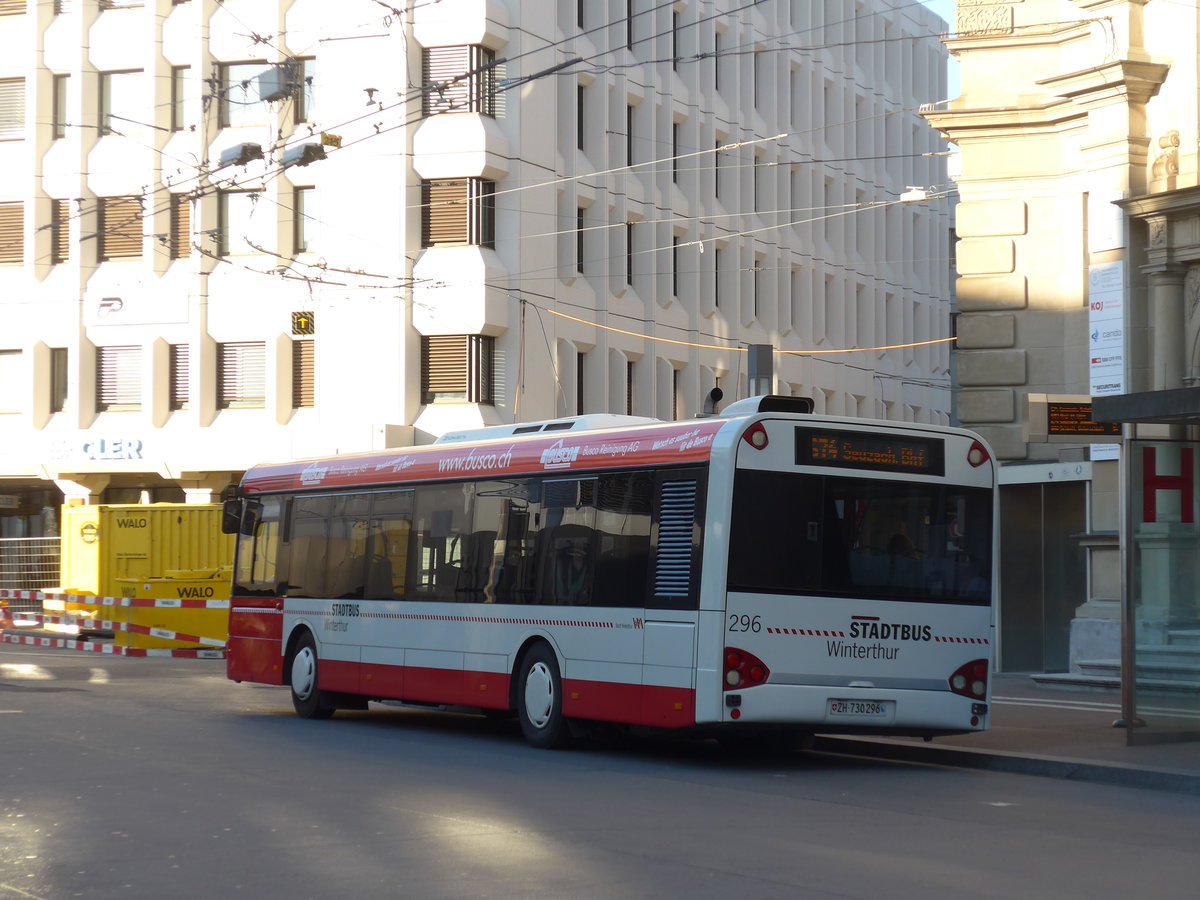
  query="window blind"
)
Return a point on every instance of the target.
[{"x": 118, "y": 378}]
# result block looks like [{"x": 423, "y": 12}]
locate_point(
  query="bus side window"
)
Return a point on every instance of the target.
[
  {"x": 261, "y": 555},
  {"x": 441, "y": 522},
  {"x": 388, "y": 545}
]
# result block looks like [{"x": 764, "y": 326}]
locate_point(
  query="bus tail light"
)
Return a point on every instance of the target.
[
  {"x": 756, "y": 436},
  {"x": 970, "y": 679},
  {"x": 977, "y": 455},
  {"x": 743, "y": 670}
]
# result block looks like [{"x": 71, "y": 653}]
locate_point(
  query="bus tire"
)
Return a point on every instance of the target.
[
  {"x": 539, "y": 700},
  {"x": 308, "y": 701}
]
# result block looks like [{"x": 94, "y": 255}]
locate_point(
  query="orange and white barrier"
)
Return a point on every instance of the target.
[{"x": 11, "y": 621}]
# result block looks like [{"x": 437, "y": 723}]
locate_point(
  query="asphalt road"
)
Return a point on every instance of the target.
[{"x": 135, "y": 778}]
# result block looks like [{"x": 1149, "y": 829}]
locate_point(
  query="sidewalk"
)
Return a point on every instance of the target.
[{"x": 1053, "y": 733}]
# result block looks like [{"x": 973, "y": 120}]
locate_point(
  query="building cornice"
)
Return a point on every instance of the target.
[
  {"x": 1135, "y": 80},
  {"x": 1013, "y": 119}
]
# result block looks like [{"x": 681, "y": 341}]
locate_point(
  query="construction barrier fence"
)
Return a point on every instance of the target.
[{"x": 138, "y": 624}]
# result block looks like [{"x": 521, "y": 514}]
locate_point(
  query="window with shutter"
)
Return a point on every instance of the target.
[
  {"x": 457, "y": 367},
  {"x": 181, "y": 226},
  {"x": 242, "y": 375},
  {"x": 12, "y": 109},
  {"x": 12, "y": 7},
  {"x": 120, "y": 228},
  {"x": 60, "y": 231},
  {"x": 459, "y": 79},
  {"x": 444, "y": 205},
  {"x": 118, "y": 379},
  {"x": 12, "y": 232},
  {"x": 180, "y": 368},
  {"x": 303, "y": 375},
  {"x": 458, "y": 211}
]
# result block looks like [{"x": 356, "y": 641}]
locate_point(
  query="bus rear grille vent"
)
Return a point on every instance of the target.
[{"x": 676, "y": 525}]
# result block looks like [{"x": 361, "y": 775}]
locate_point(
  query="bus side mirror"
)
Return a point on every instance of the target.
[{"x": 231, "y": 516}]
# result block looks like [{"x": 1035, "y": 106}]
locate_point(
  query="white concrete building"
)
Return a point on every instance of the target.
[{"x": 265, "y": 229}]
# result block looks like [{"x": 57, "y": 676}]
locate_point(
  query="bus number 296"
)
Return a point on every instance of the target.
[{"x": 744, "y": 623}]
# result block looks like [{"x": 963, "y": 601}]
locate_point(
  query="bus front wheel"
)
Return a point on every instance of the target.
[
  {"x": 539, "y": 700},
  {"x": 308, "y": 701}
]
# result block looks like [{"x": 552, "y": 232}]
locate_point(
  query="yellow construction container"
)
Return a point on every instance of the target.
[
  {"x": 108, "y": 547},
  {"x": 190, "y": 588}
]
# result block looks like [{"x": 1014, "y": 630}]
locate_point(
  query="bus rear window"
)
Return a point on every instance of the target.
[{"x": 860, "y": 537}]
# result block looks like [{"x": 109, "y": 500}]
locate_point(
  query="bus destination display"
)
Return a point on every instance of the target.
[{"x": 858, "y": 450}]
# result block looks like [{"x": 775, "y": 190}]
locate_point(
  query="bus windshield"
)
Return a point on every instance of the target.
[{"x": 796, "y": 533}]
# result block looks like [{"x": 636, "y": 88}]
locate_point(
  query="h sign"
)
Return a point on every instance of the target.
[{"x": 1152, "y": 483}]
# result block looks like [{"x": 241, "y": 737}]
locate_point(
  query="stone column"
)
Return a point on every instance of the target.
[
  {"x": 1167, "y": 316},
  {"x": 1191, "y": 349}
]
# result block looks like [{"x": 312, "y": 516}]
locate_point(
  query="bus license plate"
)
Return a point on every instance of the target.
[{"x": 860, "y": 708}]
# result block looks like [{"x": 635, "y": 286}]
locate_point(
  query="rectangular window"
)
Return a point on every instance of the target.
[
  {"x": 459, "y": 79},
  {"x": 629, "y": 24},
  {"x": 12, "y": 109},
  {"x": 238, "y": 228},
  {"x": 242, "y": 375},
  {"x": 58, "y": 102},
  {"x": 458, "y": 211},
  {"x": 58, "y": 379},
  {"x": 717, "y": 61},
  {"x": 675, "y": 41},
  {"x": 579, "y": 240},
  {"x": 629, "y": 134},
  {"x": 180, "y": 375},
  {"x": 674, "y": 267},
  {"x": 121, "y": 107},
  {"x": 304, "y": 219},
  {"x": 12, "y": 381},
  {"x": 629, "y": 387},
  {"x": 240, "y": 99},
  {"x": 60, "y": 231},
  {"x": 457, "y": 367},
  {"x": 675, "y": 152},
  {"x": 629, "y": 253},
  {"x": 306, "y": 98},
  {"x": 717, "y": 277},
  {"x": 881, "y": 539},
  {"x": 183, "y": 116},
  {"x": 717, "y": 170},
  {"x": 580, "y": 392},
  {"x": 12, "y": 7},
  {"x": 118, "y": 379},
  {"x": 120, "y": 228},
  {"x": 12, "y": 233},
  {"x": 181, "y": 226},
  {"x": 303, "y": 375},
  {"x": 580, "y": 116}
]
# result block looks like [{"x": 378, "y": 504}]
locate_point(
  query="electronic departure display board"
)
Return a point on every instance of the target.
[
  {"x": 862, "y": 450},
  {"x": 1076, "y": 418}
]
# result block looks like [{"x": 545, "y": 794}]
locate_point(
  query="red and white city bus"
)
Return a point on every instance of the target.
[{"x": 764, "y": 573}]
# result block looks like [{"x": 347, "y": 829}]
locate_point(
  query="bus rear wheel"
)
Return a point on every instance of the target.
[
  {"x": 308, "y": 701},
  {"x": 539, "y": 700}
]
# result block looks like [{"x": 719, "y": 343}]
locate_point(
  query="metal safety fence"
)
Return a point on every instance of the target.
[{"x": 29, "y": 564}]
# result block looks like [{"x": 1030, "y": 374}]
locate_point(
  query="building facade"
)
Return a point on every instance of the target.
[
  {"x": 255, "y": 229},
  {"x": 1077, "y": 280}
]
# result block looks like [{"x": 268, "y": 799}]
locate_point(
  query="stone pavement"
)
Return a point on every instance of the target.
[{"x": 1053, "y": 733}]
